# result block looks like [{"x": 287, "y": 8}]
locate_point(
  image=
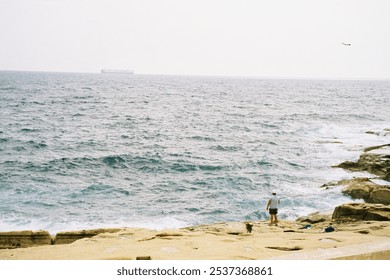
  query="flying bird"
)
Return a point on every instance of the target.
[{"x": 346, "y": 44}]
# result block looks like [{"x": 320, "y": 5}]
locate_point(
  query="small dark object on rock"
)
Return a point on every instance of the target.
[
  {"x": 306, "y": 227},
  {"x": 248, "y": 227},
  {"x": 329, "y": 229},
  {"x": 295, "y": 248},
  {"x": 144, "y": 258}
]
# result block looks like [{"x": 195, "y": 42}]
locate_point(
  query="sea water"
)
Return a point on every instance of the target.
[{"x": 84, "y": 151}]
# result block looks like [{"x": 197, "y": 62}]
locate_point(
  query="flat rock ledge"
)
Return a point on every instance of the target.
[
  {"x": 29, "y": 238},
  {"x": 67, "y": 237},
  {"x": 351, "y": 212},
  {"x": 25, "y": 238}
]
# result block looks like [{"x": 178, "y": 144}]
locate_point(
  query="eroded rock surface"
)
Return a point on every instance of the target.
[
  {"x": 315, "y": 218},
  {"x": 361, "y": 211},
  {"x": 23, "y": 239},
  {"x": 364, "y": 188},
  {"x": 67, "y": 237},
  {"x": 375, "y": 160}
]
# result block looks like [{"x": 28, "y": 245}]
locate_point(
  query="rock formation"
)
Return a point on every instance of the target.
[
  {"x": 67, "y": 237},
  {"x": 363, "y": 188},
  {"x": 351, "y": 212},
  {"x": 314, "y": 218},
  {"x": 23, "y": 239},
  {"x": 375, "y": 160},
  {"x": 28, "y": 238}
]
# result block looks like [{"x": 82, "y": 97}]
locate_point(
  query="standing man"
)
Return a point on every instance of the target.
[{"x": 272, "y": 205}]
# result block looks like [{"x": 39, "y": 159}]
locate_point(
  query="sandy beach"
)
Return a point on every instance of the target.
[{"x": 224, "y": 241}]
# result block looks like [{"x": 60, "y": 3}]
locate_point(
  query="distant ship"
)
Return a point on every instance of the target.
[{"x": 116, "y": 71}]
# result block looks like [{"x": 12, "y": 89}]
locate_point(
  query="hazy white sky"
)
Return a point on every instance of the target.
[{"x": 268, "y": 38}]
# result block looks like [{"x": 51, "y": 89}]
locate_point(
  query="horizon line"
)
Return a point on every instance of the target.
[{"x": 207, "y": 75}]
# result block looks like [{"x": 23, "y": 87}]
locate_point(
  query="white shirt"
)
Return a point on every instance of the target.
[{"x": 274, "y": 202}]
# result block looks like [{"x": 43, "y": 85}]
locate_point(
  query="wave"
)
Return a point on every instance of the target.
[
  {"x": 183, "y": 167},
  {"x": 214, "y": 212},
  {"x": 18, "y": 145},
  {"x": 124, "y": 161},
  {"x": 40, "y": 204},
  {"x": 203, "y": 138},
  {"x": 226, "y": 148},
  {"x": 78, "y": 115},
  {"x": 207, "y": 167},
  {"x": 103, "y": 190},
  {"x": 114, "y": 161},
  {"x": 29, "y": 130},
  {"x": 8, "y": 88},
  {"x": 38, "y": 145}
]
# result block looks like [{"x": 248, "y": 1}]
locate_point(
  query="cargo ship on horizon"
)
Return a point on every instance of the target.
[{"x": 116, "y": 71}]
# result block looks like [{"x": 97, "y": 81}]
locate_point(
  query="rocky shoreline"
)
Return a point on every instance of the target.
[
  {"x": 376, "y": 206},
  {"x": 352, "y": 224}
]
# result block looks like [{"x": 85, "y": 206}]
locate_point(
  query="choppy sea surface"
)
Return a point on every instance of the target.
[{"x": 83, "y": 151}]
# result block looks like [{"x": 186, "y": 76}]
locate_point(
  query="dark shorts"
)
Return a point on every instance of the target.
[{"x": 273, "y": 211}]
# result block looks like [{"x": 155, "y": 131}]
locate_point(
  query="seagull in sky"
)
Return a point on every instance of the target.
[{"x": 346, "y": 44}]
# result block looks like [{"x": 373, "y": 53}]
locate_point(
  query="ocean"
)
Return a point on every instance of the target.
[{"x": 81, "y": 151}]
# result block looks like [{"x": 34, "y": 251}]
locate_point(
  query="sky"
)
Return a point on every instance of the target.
[{"x": 264, "y": 38}]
